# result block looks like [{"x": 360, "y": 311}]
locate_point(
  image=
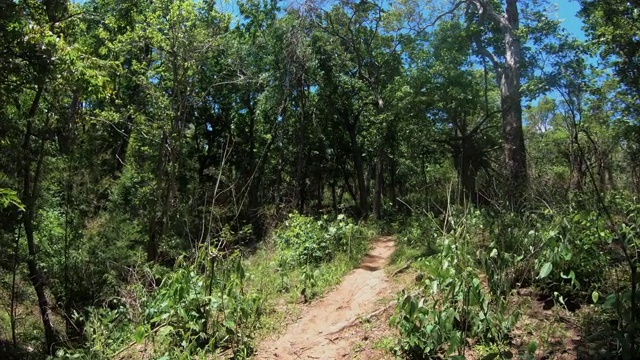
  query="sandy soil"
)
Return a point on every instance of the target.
[{"x": 326, "y": 328}]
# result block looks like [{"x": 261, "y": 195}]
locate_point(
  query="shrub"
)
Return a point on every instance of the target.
[
  {"x": 420, "y": 232},
  {"x": 190, "y": 313},
  {"x": 306, "y": 241},
  {"x": 453, "y": 303}
]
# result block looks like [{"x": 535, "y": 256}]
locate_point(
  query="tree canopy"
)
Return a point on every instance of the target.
[{"x": 142, "y": 132}]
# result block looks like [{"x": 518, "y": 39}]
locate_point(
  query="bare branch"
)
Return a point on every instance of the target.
[
  {"x": 487, "y": 11},
  {"x": 479, "y": 125},
  {"x": 482, "y": 15},
  {"x": 486, "y": 53},
  {"x": 453, "y": 9}
]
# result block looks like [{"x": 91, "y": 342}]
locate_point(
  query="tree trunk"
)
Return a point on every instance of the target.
[
  {"x": 29, "y": 194},
  {"x": 334, "y": 197},
  {"x": 377, "y": 199},
  {"x": 392, "y": 180},
  {"x": 577, "y": 176},
  {"x": 320, "y": 193},
  {"x": 513, "y": 136},
  {"x": 157, "y": 210},
  {"x": 576, "y": 181},
  {"x": 349, "y": 188},
  {"x": 357, "y": 162},
  {"x": 508, "y": 78},
  {"x": 635, "y": 179},
  {"x": 37, "y": 280},
  {"x": 467, "y": 176},
  {"x": 16, "y": 260},
  {"x": 300, "y": 193},
  {"x": 251, "y": 158},
  {"x": 120, "y": 151},
  {"x": 602, "y": 173},
  {"x": 612, "y": 181}
]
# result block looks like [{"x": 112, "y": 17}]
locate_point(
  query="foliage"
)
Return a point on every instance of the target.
[
  {"x": 612, "y": 24},
  {"x": 569, "y": 255},
  {"x": 453, "y": 303},
  {"x": 189, "y": 313},
  {"x": 132, "y": 132},
  {"x": 214, "y": 302},
  {"x": 9, "y": 197},
  {"x": 306, "y": 241},
  {"x": 416, "y": 237},
  {"x": 419, "y": 232}
]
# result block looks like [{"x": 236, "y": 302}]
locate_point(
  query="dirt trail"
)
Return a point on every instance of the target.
[{"x": 321, "y": 333}]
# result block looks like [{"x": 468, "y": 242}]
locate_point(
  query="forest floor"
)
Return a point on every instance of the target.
[{"x": 351, "y": 321}]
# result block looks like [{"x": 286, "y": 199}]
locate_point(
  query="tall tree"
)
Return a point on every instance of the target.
[
  {"x": 508, "y": 73},
  {"x": 500, "y": 38},
  {"x": 365, "y": 60},
  {"x": 35, "y": 50}
]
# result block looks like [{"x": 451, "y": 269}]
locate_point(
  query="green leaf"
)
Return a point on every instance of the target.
[
  {"x": 595, "y": 296},
  {"x": 545, "y": 270},
  {"x": 165, "y": 330},
  {"x": 533, "y": 347},
  {"x": 139, "y": 334},
  {"x": 10, "y": 197}
]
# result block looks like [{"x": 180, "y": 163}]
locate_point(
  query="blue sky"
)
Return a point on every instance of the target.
[{"x": 567, "y": 11}]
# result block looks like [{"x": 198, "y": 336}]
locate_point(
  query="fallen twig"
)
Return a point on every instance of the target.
[
  {"x": 402, "y": 269},
  {"x": 362, "y": 319}
]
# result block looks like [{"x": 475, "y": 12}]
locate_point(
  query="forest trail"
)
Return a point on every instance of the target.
[{"x": 324, "y": 330}]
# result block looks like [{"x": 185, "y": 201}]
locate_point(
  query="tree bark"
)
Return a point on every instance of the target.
[
  {"x": 359, "y": 167},
  {"x": 334, "y": 197},
  {"x": 159, "y": 208},
  {"x": 29, "y": 194},
  {"x": 300, "y": 193},
  {"x": 320, "y": 193},
  {"x": 467, "y": 175},
  {"x": 508, "y": 76},
  {"x": 392, "y": 181},
  {"x": 514, "y": 147},
  {"x": 16, "y": 260},
  {"x": 577, "y": 176},
  {"x": 348, "y": 187},
  {"x": 377, "y": 199}
]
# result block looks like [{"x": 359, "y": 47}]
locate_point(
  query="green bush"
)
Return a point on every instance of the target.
[
  {"x": 420, "y": 232},
  {"x": 190, "y": 313},
  {"x": 306, "y": 241},
  {"x": 453, "y": 304},
  {"x": 195, "y": 310},
  {"x": 574, "y": 256},
  {"x": 559, "y": 251}
]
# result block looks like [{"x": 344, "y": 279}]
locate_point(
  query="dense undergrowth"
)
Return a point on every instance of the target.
[
  {"x": 474, "y": 264},
  {"x": 219, "y": 303}
]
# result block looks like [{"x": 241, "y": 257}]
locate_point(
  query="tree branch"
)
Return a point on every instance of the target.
[
  {"x": 484, "y": 52},
  {"x": 486, "y": 10},
  {"x": 439, "y": 17}
]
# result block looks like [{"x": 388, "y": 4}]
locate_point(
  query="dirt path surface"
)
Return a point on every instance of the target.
[{"x": 322, "y": 330}]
